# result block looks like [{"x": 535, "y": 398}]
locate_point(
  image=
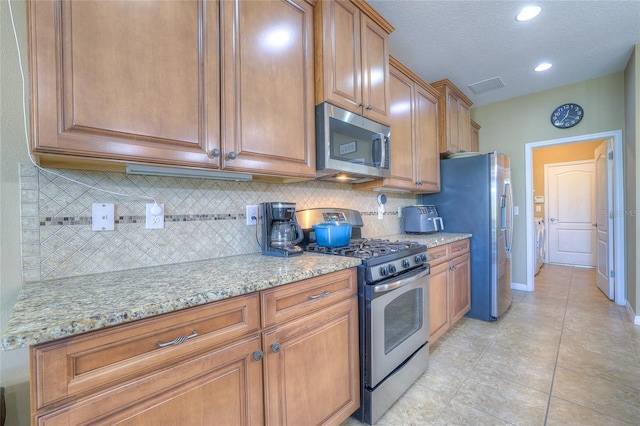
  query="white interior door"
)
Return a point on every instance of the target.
[
  {"x": 571, "y": 212},
  {"x": 604, "y": 221}
]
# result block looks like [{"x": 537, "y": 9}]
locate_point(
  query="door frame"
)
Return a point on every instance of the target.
[{"x": 618, "y": 206}]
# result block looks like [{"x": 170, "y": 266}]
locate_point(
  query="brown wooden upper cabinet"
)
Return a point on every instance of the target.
[
  {"x": 414, "y": 159},
  {"x": 475, "y": 136},
  {"x": 216, "y": 85},
  {"x": 455, "y": 118},
  {"x": 352, "y": 58}
]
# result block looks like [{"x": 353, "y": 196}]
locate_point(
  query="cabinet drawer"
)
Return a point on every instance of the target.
[
  {"x": 194, "y": 392},
  {"x": 77, "y": 365},
  {"x": 293, "y": 300},
  {"x": 439, "y": 254},
  {"x": 459, "y": 247}
]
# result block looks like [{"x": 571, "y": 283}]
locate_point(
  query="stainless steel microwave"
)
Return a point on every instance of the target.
[{"x": 349, "y": 147}]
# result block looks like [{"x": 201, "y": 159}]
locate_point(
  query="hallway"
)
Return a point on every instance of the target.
[{"x": 562, "y": 355}]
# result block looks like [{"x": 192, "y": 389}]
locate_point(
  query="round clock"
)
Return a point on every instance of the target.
[{"x": 567, "y": 115}]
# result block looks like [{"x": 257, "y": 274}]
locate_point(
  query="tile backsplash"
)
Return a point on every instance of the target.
[{"x": 204, "y": 219}]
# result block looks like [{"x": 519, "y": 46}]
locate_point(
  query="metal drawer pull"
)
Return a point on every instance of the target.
[
  {"x": 178, "y": 340},
  {"x": 323, "y": 294}
]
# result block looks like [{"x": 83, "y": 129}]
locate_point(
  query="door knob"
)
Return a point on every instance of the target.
[{"x": 553, "y": 219}]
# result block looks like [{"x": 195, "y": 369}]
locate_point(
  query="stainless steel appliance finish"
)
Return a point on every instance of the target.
[
  {"x": 393, "y": 294},
  {"x": 476, "y": 197},
  {"x": 280, "y": 230},
  {"x": 349, "y": 147},
  {"x": 422, "y": 219}
]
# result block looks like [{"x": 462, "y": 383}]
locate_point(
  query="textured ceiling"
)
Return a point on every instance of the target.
[{"x": 472, "y": 41}]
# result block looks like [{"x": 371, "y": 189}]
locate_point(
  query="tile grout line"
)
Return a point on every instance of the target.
[{"x": 555, "y": 365}]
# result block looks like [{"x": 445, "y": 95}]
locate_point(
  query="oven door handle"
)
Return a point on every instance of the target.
[{"x": 401, "y": 283}]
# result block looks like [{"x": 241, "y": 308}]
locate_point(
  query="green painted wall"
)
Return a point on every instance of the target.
[{"x": 507, "y": 126}]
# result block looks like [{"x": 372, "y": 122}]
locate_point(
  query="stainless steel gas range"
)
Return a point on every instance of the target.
[{"x": 393, "y": 293}]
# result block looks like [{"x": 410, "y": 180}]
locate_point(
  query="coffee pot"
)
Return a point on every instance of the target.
[{"x": 280, "y": 230}]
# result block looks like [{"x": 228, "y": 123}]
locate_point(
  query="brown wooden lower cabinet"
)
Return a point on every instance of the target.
[
  {"x": 449, "y": 286},
  {"x": 233, "y": 370}
]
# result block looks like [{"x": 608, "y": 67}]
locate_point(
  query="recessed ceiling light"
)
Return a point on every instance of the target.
[
  {"x": 528, "y": 12},
  {"x": 543, "y": 67}
]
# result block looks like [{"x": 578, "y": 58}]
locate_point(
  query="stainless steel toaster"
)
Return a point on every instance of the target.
[{"x": 422, "y": 219}]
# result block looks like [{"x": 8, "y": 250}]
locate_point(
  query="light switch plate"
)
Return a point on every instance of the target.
[{"x": 102, "y": 217}]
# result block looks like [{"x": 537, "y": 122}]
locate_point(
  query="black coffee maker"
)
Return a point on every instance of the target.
[{"x": 280, "y": 230}]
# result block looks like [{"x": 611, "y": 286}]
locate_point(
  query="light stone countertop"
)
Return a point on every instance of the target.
[
  {"x": 49, "y": 310},
  {"x": 54, "y": 309},
  {"x": 432, "y": 240}
]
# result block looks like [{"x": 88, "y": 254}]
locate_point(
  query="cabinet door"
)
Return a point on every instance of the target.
[
  {"x": 438, "y": 301},
  {"x": 268, "y": 111},
  {"x": 219, "y": 387},
  {"x": 402, "y": 101},
  {"x": 464, "y": 127},
  {"x": 452, "y": 123},
  {"x": 125, "y": 80},
  {"x": 312, "y": 375},
  {"x": 427, "y": 155},
  {"x": 342, "y": 63},
  {"x": 375, "y": 71},
  {"x": 460, "y": 287}
]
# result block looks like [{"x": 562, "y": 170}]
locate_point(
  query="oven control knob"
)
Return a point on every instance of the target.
[
  {"x": 392, "y": 268},
  {"x": 423, "y": 257},
  {"x": 384, "y": 271},
  {"x": 406, "y": 263},
  {"x": 418, "y": 259}
]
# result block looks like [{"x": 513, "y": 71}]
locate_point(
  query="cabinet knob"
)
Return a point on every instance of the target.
[
  {"x": 215, "y": 152},
  {"x": 257, "y": 355},
  {"x": 275, "y": 348},
  {"x": 232, "y": 155},
  {"x": 361, "y": 105},
  {"x": 369, "y": 107}
]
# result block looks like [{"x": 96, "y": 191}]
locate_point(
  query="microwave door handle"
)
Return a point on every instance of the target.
[
  {"x": 400, "y": 283},
  {"x": 378, "y": 153},
  {"x": 384, "y": 141}
]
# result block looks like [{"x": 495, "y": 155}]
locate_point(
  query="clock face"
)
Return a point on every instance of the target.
[{"x": 567, "y": 115}]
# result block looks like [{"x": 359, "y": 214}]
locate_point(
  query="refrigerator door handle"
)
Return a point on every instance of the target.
[{"x": 509, "y": 206}]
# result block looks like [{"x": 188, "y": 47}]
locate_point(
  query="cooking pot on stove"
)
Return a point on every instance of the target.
[{"x": 333, "y": 233}]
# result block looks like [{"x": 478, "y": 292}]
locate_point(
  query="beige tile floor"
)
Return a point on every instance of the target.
[{"x": 561, "y": 355}]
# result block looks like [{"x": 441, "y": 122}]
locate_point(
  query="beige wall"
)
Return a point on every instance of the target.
[
  {"x": 14, "y": 365},
  {"x": 557, "y": 154},
  {"x": 507, "y": 126},
  {"x": 632, "y": 190}
]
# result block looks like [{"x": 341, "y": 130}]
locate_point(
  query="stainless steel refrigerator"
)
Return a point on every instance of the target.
[{"x": 476, "y": 197}]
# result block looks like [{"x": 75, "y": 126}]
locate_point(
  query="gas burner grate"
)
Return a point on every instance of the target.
[{"x": 364, "y": 248}]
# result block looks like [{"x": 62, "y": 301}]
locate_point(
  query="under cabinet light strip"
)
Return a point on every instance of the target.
[{"x": 136, "y": 169}]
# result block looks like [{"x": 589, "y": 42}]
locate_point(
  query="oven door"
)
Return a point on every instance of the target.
[{"x": 398, "y": 322}]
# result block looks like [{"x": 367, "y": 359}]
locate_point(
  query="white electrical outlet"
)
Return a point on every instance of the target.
[
  {"x": 102, "y": 217},
  {"x": 252, "y": 215},
  {"x": 155, "y": 216},
  {"x": 399, "y": 211},
  {"x": 516, "y": 210}
]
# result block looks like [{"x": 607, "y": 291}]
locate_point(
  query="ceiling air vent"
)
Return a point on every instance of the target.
[{"x": 486, "y": 85}]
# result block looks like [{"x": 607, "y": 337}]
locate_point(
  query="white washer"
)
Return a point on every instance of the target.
[{"x": 539, "y": 236}]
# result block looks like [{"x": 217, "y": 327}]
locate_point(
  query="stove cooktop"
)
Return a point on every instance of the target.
[{"x": 365, "y": 249}]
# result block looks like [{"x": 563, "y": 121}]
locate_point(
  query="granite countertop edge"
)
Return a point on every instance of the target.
[{"x": 55, "y": 309}]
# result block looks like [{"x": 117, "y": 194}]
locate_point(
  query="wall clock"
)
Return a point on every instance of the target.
[{"x": 567, "y": 115}]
